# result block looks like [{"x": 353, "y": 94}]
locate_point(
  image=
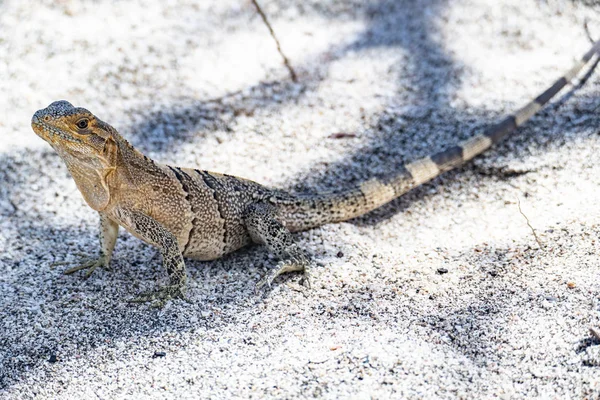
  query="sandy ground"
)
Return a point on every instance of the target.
[{"x": 199, "y": 83}]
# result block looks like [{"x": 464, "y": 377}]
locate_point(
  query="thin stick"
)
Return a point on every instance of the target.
[
  {"x": 587, "y": 30},
  {"x": 285, "y": 59},
  {"x": 529, "y": 225}
]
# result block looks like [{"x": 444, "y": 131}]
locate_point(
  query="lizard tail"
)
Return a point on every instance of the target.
[{"x": 303, "y": 212}]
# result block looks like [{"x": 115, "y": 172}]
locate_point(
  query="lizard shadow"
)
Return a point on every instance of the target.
[
  {"x": 50, "y": 318},
  {"x": 80, "y": 318}
]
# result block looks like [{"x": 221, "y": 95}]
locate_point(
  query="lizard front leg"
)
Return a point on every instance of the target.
[
  {"x": 265, "y": 229},
  {"x": 156, "y": 234},
  {"x": 109, "y": 231}
]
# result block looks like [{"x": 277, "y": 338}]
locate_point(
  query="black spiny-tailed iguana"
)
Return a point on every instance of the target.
[{"x": 204, "y": 215}]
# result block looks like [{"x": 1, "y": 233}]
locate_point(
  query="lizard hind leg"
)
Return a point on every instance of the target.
[{"x": 265, "y": 229}]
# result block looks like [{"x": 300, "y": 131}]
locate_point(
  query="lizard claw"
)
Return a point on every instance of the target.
[
  {"x": 283, "y": 267},
  {"x": 90, "y": 265},
  {"x": 306, "y": 279},
  {"x": 267, "y": 280},
  {"x": 159, "y": 297}
]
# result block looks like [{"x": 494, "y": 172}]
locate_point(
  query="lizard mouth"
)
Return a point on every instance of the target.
[
  {"x": 45, "y": 132},
  {"x": 40, "y": 122},
  {"x": 43, "y": 129},
  {"x": 59, "y": 139},
  {"x": 39, "y": 127}
]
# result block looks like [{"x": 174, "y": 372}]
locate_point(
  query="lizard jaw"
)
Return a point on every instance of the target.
[{"x": 42, "y": 125}]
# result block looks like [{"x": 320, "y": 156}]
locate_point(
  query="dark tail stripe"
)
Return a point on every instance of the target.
[
  {"x": 499, "y": 131},
  {"x": 209, "y": 180},
  {"x": 448, "y": 158},
  {"x": 591, "y": 52},
  {"x": 551, "y": 91}
]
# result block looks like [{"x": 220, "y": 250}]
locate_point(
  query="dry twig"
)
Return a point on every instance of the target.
[
  {"x": 285, "y": 59},
  {"x": 529, "y": 225},
  {"x": 587, "y": 31}
]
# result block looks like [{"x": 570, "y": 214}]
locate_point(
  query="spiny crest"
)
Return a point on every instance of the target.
[{"x": 61, "y": 109}]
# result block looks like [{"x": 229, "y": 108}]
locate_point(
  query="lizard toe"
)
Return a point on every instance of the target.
[
  {"x": 160, "y": 296},
  {"x": 90, "y": 265}
]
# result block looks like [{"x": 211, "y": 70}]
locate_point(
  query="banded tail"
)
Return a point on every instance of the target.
[{"x": 305, "y": 211}]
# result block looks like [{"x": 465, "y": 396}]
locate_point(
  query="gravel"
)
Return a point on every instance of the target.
[{"x": 443, "y": 293}]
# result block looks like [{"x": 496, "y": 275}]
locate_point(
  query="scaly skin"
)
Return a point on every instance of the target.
[{"x": 205, "y": 215}]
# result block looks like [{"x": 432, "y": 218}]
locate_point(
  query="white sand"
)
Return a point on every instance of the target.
[{"x": 199, "y": 83}]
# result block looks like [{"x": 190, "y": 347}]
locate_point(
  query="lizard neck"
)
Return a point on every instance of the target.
[
  {"x": 101, "y": 180},
  {"x": 132, "y": 167},
  {"x": 90, "y": 178}
]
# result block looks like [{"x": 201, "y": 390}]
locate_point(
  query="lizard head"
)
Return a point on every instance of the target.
[
  {"x": 86, "y": 144},
  {"x": 73, "y": 131}
]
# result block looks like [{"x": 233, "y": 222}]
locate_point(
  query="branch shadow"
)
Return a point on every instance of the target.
[
  {"x": 401, "y": 136},
  {"x": 194, "y": 120}
]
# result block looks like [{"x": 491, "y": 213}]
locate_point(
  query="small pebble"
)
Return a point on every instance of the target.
[
  {"x": 52, "y": 359},
  {"x": 340, "y": 254},
  {"x": 159, "y": 354},
  {"x": 442, "y": 271},
  {"x": 571, "y": 285},
  {"x": 342, "y": 135}
]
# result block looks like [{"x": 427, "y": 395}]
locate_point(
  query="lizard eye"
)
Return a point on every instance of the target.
[{"x": 82, "y": 123}]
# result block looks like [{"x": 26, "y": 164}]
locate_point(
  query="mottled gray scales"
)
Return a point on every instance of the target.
[
  {"x": 204, "y": 215},
  {"x": 153, "y": 232},
  {"x": 232, "y": 195},
  {"x": 264, "y": 228},
  {"x": 206, "y": 238}
]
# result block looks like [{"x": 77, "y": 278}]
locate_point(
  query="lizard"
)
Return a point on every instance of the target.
[{"x": 204, "y": 215}]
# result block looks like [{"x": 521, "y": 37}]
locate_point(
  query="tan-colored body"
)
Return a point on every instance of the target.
[
  {"x": 205, "y": 215},
  {"x": 204, "y": 210}
]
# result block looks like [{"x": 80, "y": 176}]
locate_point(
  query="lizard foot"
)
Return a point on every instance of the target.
[
  {"x": 159, "y": 297},
  {"x": 90, "y": 265},
  {"x": 282, "y": 268}
]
